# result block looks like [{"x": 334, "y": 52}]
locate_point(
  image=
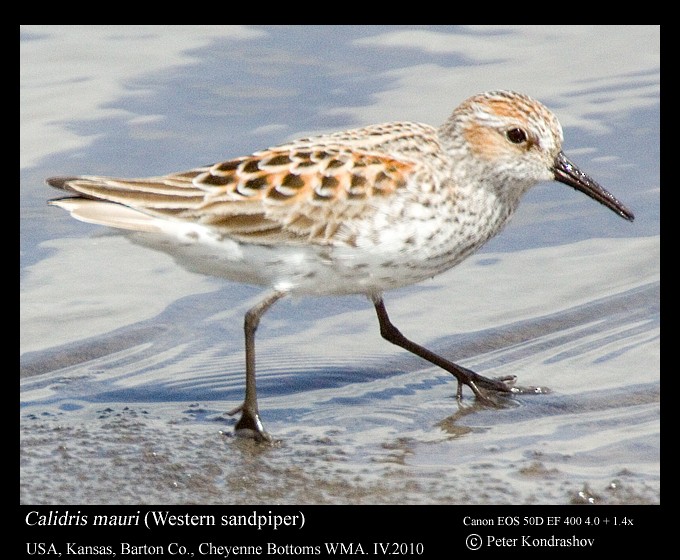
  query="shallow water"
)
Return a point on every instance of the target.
[{"x": 128, "y": 362}]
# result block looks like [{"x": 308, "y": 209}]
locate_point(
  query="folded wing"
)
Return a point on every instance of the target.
[{"x": 280, "y": 195}]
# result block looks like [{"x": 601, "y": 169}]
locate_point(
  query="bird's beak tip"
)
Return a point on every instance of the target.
[{"x": 566, "y": 172}]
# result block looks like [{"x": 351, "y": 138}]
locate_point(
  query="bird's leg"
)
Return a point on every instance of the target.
[
  {"x": 463, "y": 375},
  {"x": 250, "y": 425}
]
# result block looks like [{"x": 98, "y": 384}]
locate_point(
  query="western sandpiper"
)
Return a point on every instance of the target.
[{"x": 355, "y": 212}]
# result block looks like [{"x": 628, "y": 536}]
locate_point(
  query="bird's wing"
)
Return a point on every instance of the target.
[{"x": 287, "y": 194}]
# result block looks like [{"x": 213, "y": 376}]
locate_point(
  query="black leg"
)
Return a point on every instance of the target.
[
  {"x": 250, "y": 425},
  {"x": 463, "y": 375}
]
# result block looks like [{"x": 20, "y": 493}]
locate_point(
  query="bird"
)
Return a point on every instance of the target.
[{"x": 361, "y": 211}]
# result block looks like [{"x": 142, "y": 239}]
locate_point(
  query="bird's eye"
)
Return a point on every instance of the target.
[{"x": 516, "y": 135}]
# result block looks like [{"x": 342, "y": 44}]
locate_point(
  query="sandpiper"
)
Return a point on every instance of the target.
[{"x": 355, "y": 212}]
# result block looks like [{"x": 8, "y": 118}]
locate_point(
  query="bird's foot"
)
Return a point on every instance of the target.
[
  {"x": 250, "y": 425},
  {"x": 481, "y": 385}
]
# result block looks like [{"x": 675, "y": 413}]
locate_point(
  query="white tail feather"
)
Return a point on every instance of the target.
[{"x": 108, "y": 214}]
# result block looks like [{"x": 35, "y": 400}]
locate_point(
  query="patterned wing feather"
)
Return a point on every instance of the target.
[{"x": 280, "y": 195}]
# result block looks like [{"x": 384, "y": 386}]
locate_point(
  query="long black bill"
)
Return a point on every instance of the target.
[{"x": 567, "y": 173}]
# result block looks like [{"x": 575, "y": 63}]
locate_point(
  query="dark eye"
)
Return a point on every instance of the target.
[{"x": 516, "y": 135}]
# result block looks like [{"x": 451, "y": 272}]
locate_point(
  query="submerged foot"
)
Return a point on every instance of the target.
[
  {"x": 481, "y": 386},
  {"x": 250, "y": 425}
]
